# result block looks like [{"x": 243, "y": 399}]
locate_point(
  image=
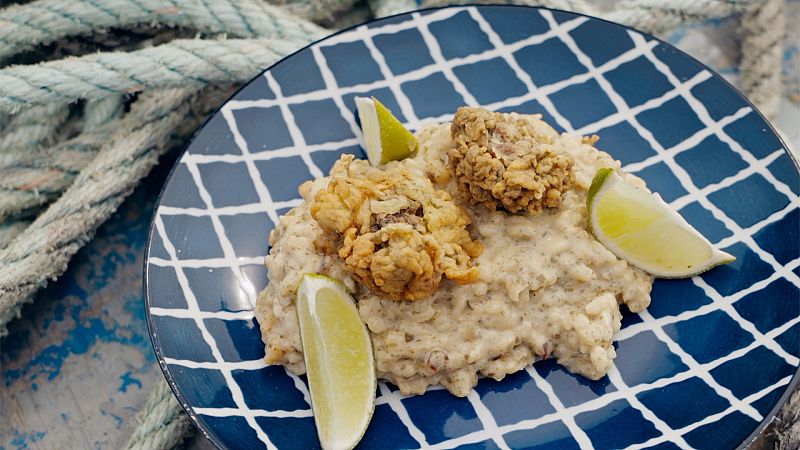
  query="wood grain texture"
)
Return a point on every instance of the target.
[{"x": 78, "y": 364}]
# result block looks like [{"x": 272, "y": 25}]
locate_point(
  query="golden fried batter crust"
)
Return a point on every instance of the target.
[
  {"x": 394, "y": 230},
  {"x": 500, "y": 161}
]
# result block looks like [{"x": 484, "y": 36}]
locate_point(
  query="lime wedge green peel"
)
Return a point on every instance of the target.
[
  {"x": 385, "y": 138},
  {"x": 642, "y": 229},
  {"x": 339, "y": 362}
]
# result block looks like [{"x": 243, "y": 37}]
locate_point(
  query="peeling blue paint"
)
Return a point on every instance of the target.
[
  {"x": 71, "y": 301},
  {"x": 88, "y": 318},
  {"x": 21, "y": 440},
  {"x": 10, "y": 375},
  {"x": 85, "y": 334},
  {"x": 127, "y": 380},
  {"x": 117, "y": 419},
  {"x": 58, "y": 316}
]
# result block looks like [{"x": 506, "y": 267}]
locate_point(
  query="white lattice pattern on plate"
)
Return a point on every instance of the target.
[{"x": 643, "y": 47}]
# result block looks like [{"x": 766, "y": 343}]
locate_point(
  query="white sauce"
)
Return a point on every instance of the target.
[{"x": 547, "y": 289}]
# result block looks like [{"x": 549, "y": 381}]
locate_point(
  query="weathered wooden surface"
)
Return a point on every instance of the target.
[{"x": 77, "y": 366}]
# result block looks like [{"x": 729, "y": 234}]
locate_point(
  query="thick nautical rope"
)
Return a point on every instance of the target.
[
  {"x": 383, "y": 8},
  {"x": 161, "y": 423},
  {"x": 33, "y": 127},
  {"x": 763, "y": 26},
  {"x": 43, "y": 21},
  {"x": 46, "y": 157},
  {"x": 32, "y": 175},
  {"x": 41, "y": 252},
  {"x": 184, "y": 62},
  {"x": 45, "y": 247},
  {"x": 96, "y": 76},
  {"x": 787, "y": 424}
]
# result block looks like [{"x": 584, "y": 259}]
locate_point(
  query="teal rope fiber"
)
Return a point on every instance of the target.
[
  {"x": 32, "y": 178},
  {"x": 44, "y": 21},
  {"x": 33, "y": 127},
  {"x": 32, "y": 175},
  {"x": 185, "y": 62},
  {"x": 43, "y": 250}
]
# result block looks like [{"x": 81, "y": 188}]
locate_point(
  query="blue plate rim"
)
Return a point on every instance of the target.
[{"x": 210, "y": 435}]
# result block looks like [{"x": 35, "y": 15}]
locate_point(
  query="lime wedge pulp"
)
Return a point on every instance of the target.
[
  {"x": 640, "y": 228},
  {"x": 339, "y": 361},
  {"x": 385, "y": 138}
]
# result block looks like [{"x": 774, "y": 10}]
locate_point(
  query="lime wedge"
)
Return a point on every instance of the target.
[
  {"x": 640, "y": 228},
  {"x": 385, "y": 138},
  {"x": 339, "y": 362}
]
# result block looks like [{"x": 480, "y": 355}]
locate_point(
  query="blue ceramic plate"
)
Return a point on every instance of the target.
[{"x": 705, "y": 366}]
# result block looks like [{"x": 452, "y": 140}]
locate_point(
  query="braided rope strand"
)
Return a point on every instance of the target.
[
  {"x": 569, "y": 5},
  {"x": 161, "y": 422},
  {"x": 183, "y": 62},
  {"x": 66, "y": 80},
  {"x": 762, "y": 52},
  {"x": 383, "y": 8},
  {"x": 359, "y": 14},
  {"x": 30, "y": 179},
  {"x": 321, "y": 11},
  {"x": 787, "y": 424},
  {"x": 43, "y": 250},
  {"x": 656, "y": 16},
  {"x": 9, "y": 230},
  {"x": 33, "y": 127},
  {"x": 44, "y": 21},
  {"x": 98, "y": 113}
]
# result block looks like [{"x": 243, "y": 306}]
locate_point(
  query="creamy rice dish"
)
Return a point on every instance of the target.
[{"x": 470, "y": 258}]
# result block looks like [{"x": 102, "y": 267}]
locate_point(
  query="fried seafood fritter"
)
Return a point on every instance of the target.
[
  {"x": 500, "y": 161},
  {"x": 394, "y": 230}
]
